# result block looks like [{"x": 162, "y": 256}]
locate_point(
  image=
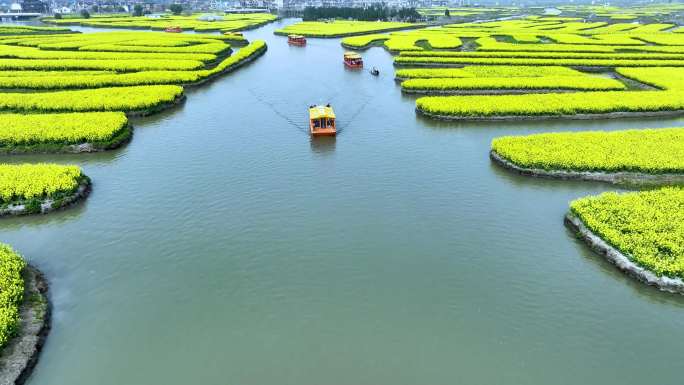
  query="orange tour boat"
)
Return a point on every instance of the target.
[
  {"x": 353, "y": 60},
  {"x": 322, "y": 120},
  {"x": 296, "y": 40},
  {"x": 173, "y": 29}
]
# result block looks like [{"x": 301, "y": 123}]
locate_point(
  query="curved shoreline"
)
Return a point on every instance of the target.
[
  {"x": 257, "y": 54},
  {"x": 49, "y": 204},
  {"x": 620, "y": 260},
  {"x": 122, "y": 137},
  {"x": 20, "y": 356},
  {"x": 180, "y": 99},
  {"x": 583, "y": 116},
  {"x": 594, "y": 176}
]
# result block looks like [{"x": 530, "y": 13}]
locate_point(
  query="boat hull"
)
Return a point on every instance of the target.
[{"x": 323, "y": 132}]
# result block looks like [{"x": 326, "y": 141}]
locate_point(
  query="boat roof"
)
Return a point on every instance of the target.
[
  {"x": 352, "y": 55},
  {"x": 318, "y": 112},
  {"x": 295, "y": 36}
]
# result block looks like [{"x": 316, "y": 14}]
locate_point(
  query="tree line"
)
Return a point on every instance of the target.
[{"x": 372, "y": 13}]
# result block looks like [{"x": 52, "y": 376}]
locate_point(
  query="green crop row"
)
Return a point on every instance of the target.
[
  {"x": 30, "y": 30},
  {"x": 22, "y": 182},
  {"x": 18, "y": 52},
  {"x": 552, "y": 104},
  {"x": 11, "y": 291},
  {"x": 446, "y": 61},
  {"x": 650, "y": 151},
  {"x": 66, "y": 80},
  {"x": 546, "y": 55},
  {"x": 513, "y": 83},
  {"x": 647, "y": 226},
  {"x": 70, "y": 128},
  {"x": 98, "y": 64},
  {"x": 487, "y": 71},
  {"x": 669, "y": 78},
  {"x": 100, "y": 99}
]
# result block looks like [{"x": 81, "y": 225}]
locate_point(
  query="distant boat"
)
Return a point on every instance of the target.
[
  {"x": 375, "y": 71},
  {"x": 173, "y": 29},
  {"x": 296, "y": 40},
  {"x": 322, "y": 121},
  {"x": 353, "y": 60}
]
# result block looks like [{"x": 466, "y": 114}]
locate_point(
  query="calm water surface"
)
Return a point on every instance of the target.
[{"x": 224, "y": 246}]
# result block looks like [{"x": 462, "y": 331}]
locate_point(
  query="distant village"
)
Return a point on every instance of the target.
[{"x": 66, "y": 7}]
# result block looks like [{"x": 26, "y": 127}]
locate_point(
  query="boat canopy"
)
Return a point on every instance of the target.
[
  {"x": 352, "y": 55},
  {"x": 295, "y": 36},
  {"x": 319, "y": 112}
]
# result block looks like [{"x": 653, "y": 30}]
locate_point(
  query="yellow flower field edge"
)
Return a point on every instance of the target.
[
  {"x": 40, "y": 188},
  {"x": 642, "y": 233},
  {"x": 90, "y": 79},
  {"x": 576, "y": 105},
  {"x": 485, "y": 71},
  {"x": 25, "y": 316},
  {"x": 69, "y": 132},
  {"x": 140, "y": 100},
  {"x": 31, "y": 30},
  {"x": 649, "y": 156},
  {"x": 11, "y": 292},
  {"x": 455, "y": 85}
]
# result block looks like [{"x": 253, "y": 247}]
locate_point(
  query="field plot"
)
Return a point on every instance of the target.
[
  {"x": 75, "y": 91},
  {"x": 641, "y": 61},
  {"x": 11, "y": 292},
  {"x": 198, "y": 22},
  {"x": 654, "y": 151},
  {"x": 647, "y": 227},
  {"x": 51, "y": 132},
  {"x": 98, "y": 60},
  {"x": 30, "y": 30},
  {"x": 27, "y": 188},
  {"x": 340, "y": 28}
]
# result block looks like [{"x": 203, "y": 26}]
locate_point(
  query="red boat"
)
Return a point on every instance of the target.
[
  {"x": 353, "y": 60},
  {"x": 296, "y": 40},
  {"x": 173, "y": 30}
]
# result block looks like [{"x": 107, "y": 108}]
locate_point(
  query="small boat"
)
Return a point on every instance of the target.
[
  {"x": 173, "y": 30},
  {"x": 353, "y": 60},
  {"x": 296, "y": 40},
  {"x": 375, "y": 71},
  {"x": 322, "y": 120}
]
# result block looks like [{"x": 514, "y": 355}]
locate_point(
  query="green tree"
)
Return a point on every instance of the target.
[
  {"x": 176, "y": 9},
  {"x": 85, "y": 14},
  {"x": 447, "y": 13},
  {"x": 58, "y": 16},
  {"x": 137, "y": 10}
]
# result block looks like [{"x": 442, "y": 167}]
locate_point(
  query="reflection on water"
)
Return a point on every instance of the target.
[{"x": 323, "y": 145}]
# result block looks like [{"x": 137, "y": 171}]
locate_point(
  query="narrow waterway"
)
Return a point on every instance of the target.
[{"x": 224, "y": 246}]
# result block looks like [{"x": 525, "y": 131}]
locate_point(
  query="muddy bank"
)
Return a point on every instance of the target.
[
  {"x": 49, "y": 204},
  {"x": 20, "y": 355},
  {"x": 620, "y": 260},
  {"x": 607, "y": 115},
  {"x": 597, "y": 176},
  {"x": 158, "y": 108}
]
